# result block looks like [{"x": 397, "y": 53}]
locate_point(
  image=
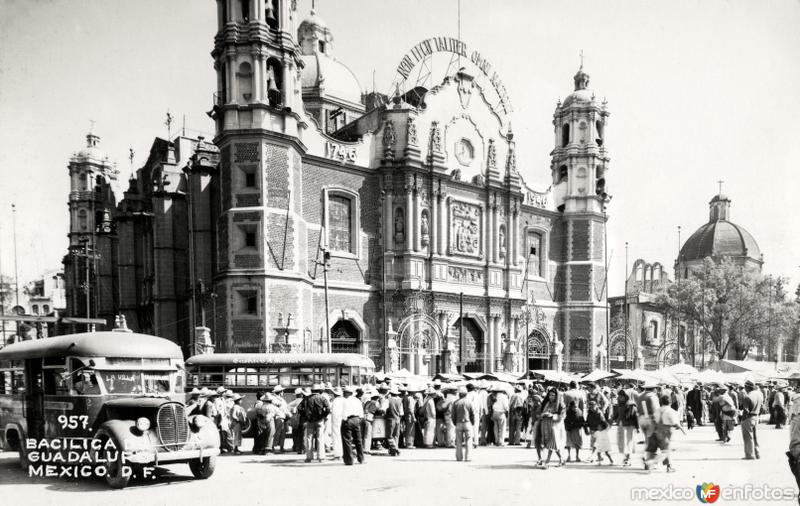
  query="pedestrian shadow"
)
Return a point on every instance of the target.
[{"x": 509, "y": 467}]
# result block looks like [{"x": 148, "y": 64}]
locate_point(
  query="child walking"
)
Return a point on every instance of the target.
[{"x": 598, "y": 425}]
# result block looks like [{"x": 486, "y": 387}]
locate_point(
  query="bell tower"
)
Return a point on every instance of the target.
[
  {"x": 579, "y": 163},
  {"x": 257, "y": 110}
]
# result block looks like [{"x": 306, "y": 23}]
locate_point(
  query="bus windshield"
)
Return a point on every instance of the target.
[{"x": 135, "y": 382}]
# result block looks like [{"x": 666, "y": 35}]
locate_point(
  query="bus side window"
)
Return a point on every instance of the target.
[
  {"x": 5, "y": 382},
  {"x": 17, "y": 382},
  {"x": 344, "y": 376},
  {"x": 55, "y": 382}
]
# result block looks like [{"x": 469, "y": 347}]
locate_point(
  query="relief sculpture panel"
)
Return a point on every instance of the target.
[{"x": 465, "y": 229}]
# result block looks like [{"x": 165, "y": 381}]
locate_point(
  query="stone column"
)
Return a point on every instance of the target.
[
  {"x": 494, "y": 238},
  {"x": 258, "y": 77},
  {"x": 490, "y": 353},
  {"x": 388, "y": 222},
  {"x": 417, "y": 220},
  {"x": 498, "y": 343},
  {"x": 409, "y": 219},
  {"x": 487, "y": 234},
  {"x": 229, "y": 81},
  {"x": 515, "y": 237},
  {"x": 433, "y": 230},
  {"x": 443, "y": 226}
]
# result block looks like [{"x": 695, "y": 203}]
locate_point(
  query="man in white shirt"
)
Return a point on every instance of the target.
[{"x": 352, "y": 414}]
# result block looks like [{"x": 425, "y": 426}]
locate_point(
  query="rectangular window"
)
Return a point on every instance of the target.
[
  {"x": 251, "y": 304},
  {"x": 250, "y": 239},
  {"x": 340, "y": 223},
  {"x": 534, "y": 254},
  {"x": 250, "y": 179}
]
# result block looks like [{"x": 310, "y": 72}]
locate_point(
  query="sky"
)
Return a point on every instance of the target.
[{"x": 699, "y": 91}]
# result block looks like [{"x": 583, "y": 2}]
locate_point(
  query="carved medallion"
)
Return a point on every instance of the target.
[{"x": 464, "y": 152}]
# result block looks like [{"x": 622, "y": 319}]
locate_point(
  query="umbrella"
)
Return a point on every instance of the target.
[{"x": 680, "y": 369}]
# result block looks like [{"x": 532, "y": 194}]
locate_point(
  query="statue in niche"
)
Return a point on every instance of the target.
[
  {"x": 502, "y": 241},
  {"x": 425, "y": 230},
  {"x": 412, "y": 132},
  {"x": 388, "y": 135},
  {"x": 399, "y": 226}
]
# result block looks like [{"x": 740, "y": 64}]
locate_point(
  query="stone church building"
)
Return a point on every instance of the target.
[{"x": 323, "y": 219}]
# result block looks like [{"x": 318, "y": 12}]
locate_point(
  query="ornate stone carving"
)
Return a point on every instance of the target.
[
  {"x": 411, "y": 131},
  {"x": 464, "y": 275},
  {"x": 399, "y": 226},
  {"x": 389, "y": 137},
  {"x": 245, "y": 152},
  {"x": 436, "y": 137},
  {"x": 491, "y": 157},
  {"x": 465, "y": 233},
  {"x": 502, "y": 240}
]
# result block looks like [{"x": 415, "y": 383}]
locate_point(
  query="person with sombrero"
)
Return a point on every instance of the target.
[
  {"x": 315, "y": 409},
  {"x": 238, "y": 418}
]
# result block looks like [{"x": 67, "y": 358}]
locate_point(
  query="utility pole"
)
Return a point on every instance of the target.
[
  {"x": 625, "y": 309},
  {"x": 2, "y": 294},
  {"x": 16, "y": 267},
  {"x": 88, "y": 256},
  {"x": 677, "y": 331},
  {"x": 461, "y": 331},
  {"x": 605, "y": 284},
  {"x": 325, "y": 258}
]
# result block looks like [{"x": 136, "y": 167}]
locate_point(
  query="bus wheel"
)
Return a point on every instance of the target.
[
  {"x": 203, "y": 468},
  {"x": 117, "y": 473}
]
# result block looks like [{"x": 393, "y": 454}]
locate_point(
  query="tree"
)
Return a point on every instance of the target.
[{"x": 738, "y": 308}]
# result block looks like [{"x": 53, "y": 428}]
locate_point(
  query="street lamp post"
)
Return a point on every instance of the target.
[{"x": 625, "y": 309}]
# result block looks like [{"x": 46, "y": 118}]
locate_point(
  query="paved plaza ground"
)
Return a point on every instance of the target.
[{"x": 495, "y": 476}]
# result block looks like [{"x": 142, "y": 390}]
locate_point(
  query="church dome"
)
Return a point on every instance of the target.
[
  {"x": 581, "y": 93},
  {"x": 91, "y": 151},
  {"x": 330, "y": 77},
  {"x": 720, "y": 237},
  {"x": 323, "y": 74}
]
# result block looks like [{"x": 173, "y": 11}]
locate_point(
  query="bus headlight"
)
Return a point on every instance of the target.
[{"x": 142, "y": 424}]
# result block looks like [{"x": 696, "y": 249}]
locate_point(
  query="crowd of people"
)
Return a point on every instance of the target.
[{"x": 551, "y": 418}]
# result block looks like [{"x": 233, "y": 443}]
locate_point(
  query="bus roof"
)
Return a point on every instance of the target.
[
  {"x": 94, "y": 344},
  {"x": 321, "y": 359}
]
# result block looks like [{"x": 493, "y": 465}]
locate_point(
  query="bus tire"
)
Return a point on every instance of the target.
[
  {"x": 202, "y": 469},
  {"x": 116, "y": 474},
  {"x": 14, "y": 442}
]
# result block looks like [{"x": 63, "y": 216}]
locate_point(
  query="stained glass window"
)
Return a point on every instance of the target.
[{"x": 340, "y": 223}]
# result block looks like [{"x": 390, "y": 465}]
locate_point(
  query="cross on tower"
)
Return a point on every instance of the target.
[
  {"x": 720, "y": 185},
  {"x": 581, "y": 58},
  {"x": 91, "y": 126},
  {"x": 169, "y": 125}
]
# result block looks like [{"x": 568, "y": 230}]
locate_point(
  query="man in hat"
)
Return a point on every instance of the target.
[
  {"x": 393, "y": 415},
  {"x": 315, "y": 409},
  {"x": 647, "y": 405},
  {"x": 779, "y": 407},
  {"x": 193, "y": 403},
  {"x": 281, "y": 418},
  {"x": 266, "y": 414},
  {"x": 500, "y": 408},
  {"x": 337, "y": 417},
  {"x": 222, "y": 419},
  {"x": 371, "y": 410},
  {"x": 297, "y": 421},
  {"x": 694, "y": 402},
  {"x": 727, "y": 414},
  {"x": 751, "y": 407},
  {"x": 516, "y": 412},
  {"x": 427, "y": 418},
  {"x": 238, "y": 420},
  {"x": 465, "y": 417},
  {"x": 410, "y": 405},
  {"x": 352, "y": 413}
]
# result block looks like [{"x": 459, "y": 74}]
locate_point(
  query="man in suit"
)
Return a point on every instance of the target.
[
  {"x": 694, "y": 401},
  {"x": 392, "y": 416}
]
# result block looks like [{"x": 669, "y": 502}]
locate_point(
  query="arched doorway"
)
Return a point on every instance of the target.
[
  {"x": 345, "y": 337},
  {"x": 538, "y": 350},
  {"x": 474, "y": 344},
  {"x": 419, "y": 339},
  {"x": 621, "y": 351}
]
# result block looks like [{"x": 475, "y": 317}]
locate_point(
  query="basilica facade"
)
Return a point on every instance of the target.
[{"x": 323, "y": 219}]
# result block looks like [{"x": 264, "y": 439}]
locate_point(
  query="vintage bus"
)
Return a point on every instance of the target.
[
  {"x": 248, "y": 373},
  {"x": 101, "y": 390}
]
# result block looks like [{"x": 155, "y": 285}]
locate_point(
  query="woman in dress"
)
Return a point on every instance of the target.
[
  {"x": 574, "y": 424},
  {"x": 627, "y": 418},
  {"x": 598, "y": 424},
  {"x": 552, "y": 425}
]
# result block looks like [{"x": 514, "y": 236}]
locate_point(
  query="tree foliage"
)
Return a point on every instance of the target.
[{"x": 739, "y": 309}]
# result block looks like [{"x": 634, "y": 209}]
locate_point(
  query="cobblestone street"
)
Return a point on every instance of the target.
[{"x": 495, "y": 476}]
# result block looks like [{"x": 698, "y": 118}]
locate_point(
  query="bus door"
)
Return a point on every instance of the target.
[{"x": 34, "y": 398}]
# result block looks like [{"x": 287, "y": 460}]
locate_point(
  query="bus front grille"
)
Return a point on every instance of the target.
[{"x": 172, "y": 426}]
